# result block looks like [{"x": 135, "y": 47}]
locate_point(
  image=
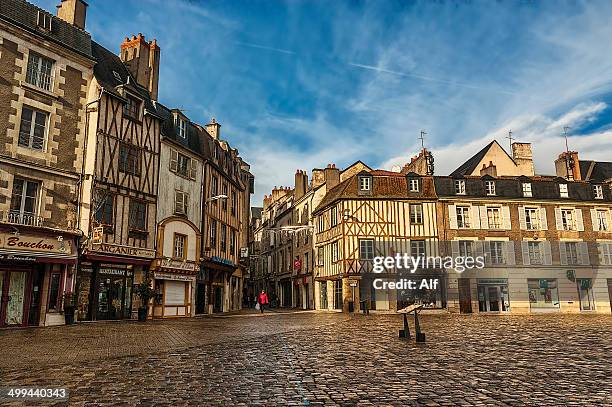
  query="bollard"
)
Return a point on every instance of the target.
[
  {"x": 420, "y": 337},
  {"x": 405, "y": 333}
]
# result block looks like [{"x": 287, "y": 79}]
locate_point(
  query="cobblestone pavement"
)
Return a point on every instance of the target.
[{"x": 320, "y": 359}]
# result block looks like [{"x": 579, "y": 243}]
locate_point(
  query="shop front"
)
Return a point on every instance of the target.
[
  {"x": 36, "y": 269},
  {"x": 174, "y": 284},
  {"x": 543, "y": 294},
  {"x": 213, "y": 289},
  {"x": 106, "y": 279},
  {"x": 493, "y": 295}
]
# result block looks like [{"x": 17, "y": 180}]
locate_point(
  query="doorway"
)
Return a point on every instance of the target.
[
  {"x": 493, "y": 296},
  {"x": 200, "y": 298},
  {"x": 585, "y": 293},
  {"x": 465, "y": 296}
]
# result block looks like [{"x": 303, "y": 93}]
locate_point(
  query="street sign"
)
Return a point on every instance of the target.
[{"x": 98, "y": 234}]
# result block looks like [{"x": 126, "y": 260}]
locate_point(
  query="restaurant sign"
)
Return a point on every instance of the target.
[
  {"x": 123, "y": 250},
  {"x": 175, "y": 264},
  {"x": 174, "y": 277},
  {"x": 31, "y": 244}
]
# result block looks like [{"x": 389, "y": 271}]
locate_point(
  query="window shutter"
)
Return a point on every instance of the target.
[
  {"x": 522, "y": 221},
  {"x": 194, "y": 167},
  {"x": 173, "y": 160},
  {"x": 547, "y": 253},
  {"x": 484, "y": 220},
  {"x": 178, "y": 202},
  {"x": 558, "y": 219},
  {"x": 452, "y": 215},
  {"x": 579, "y": 221},
  {"x": 583, "y": 253},
  {"x": 455, "y": 248},
  {"x": 525, "y": 250},
  {"x": 509, "y": 253},
  {"x": 601, "y": 250},
  {"x": 543, "y": 220},
  {"x": 475, "y": 217},
  {"x": 506, "y": 217},
  {"x": 185, "y": 203},
  {"x": 487, "y": 252},
  {"x": 563, "y": 253},
  {"x": 594, "y": 220},
  {"x": 478, "y": 248}
]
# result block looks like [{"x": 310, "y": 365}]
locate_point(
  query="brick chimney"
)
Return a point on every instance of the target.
[
  {"x": 568, "y": 160},
  {"x": 523, "y": 157},
  {"x": 332, "y": 176},
  {"x": 214, "y": 129},
  {"x": 301, "y": 183},
  {"x": 73, "y": 12},
  {"x": 417, "y": 164},
  {"x": 490, "y": 169},
  {"x": 142, "y": 60}
]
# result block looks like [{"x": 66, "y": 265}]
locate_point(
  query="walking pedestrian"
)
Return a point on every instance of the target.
[{"x": 262, "y": 300}]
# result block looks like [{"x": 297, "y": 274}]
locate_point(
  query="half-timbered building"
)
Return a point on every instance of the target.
[
  {"x": 45, "y": 68},
  {"x": 119, "y": 196}
]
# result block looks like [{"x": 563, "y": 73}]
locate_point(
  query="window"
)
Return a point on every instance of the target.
[
  {"x": 494, "y": 218},
  {"x": 213, "y": 234},
  {"x": 598, "y": 191},
  {"x": 214, "y": 188},
  {"x": 563, "y": 191},
  {"x": 465, "y": 248},
  {"x": 232, "y": 244},
  {"x": 543, "y": 293},
  {"x": 463, "y": 217},
  {"x": 535, "y": 252},
  {"x": 181, "y": 202},
  {"x": 129, "y": 159},
  {"x": 306, "y": 266},
  {"x": 24, "y": 198},
  {"x": 496, "y": 252},
  {"x": 532, "y": 221},
  {"x": 183, "y": 165},
  {"x": 459, "y": 187},
  {"x": 365, "y": 183},
  {"x": 138, "y": 215},
  {"x": 414, "y": 185},
  {"x": 321, "y": 223},
  {"x": 40, "y": 71},
  {"x": 234, "y": 202},
  {"x": 181, "y": 126},
  {"x": 605, "y": 253},
  {"x": 333, "y": 215},
  {"x": 335, "y": 252},
  {"x": 224, "y": 201},
  {"x": 417, "y": 248},
  {"x": 131, "y": 108},
  {"x": 416, "y": 214},
  {"x": 567, "y": 219},
  {"x": 366, "y": 249},
  {"x": 44, "y": 20},
  {"x": 490, "y": 187},
  {"x": 32, "y": 129},
  {"x": 180, "y": 244},
  {"x": 54, "y": 291},
  {"x": 571, "y": 252},
  {"x": 223, "y": 245},
  {"x": 602, "y": 220},
  {"x": 338, "y": 294},
  {"x": 527, "y": 189},
  {"x": 104, "y": 208},
  {"x": 320, "y": 256}
]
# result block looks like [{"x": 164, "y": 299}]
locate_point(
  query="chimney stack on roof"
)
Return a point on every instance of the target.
[
  {"x": 214, "y": 129},
  {"x": 73, "y": 12},
  {"x": 142, "y": 60}
]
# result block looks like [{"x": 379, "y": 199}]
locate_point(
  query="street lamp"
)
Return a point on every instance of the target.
[{"x": 215, "y": 198}]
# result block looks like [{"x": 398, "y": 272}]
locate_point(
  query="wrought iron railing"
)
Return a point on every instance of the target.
[{"x": 23, "y": 218}]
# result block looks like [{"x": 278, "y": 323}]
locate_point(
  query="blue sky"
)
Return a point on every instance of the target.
[{"x": 300, "y": 84}]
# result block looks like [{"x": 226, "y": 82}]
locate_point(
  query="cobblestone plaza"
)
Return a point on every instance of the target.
[{"x": 310, "y": 358}]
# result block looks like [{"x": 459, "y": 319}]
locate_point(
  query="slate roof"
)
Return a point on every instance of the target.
[
  {"x": 25, "y": 15},
  {"x": 192, "y": 142},
  {"x": 468, "y": 167},
  {"x": 599, "y": 170}
]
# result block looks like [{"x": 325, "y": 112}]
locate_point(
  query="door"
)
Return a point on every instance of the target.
[
  {"x": 218, "y": 304},
  {"x": 494, "y": 298},
  {"x": 16, "y": 298},
  {"x": 609, "y": 292},
  {"x": 200, "y": 296},
  {"x": 465, "y": 296},
  {"x": 585, "y": 293},
  {"x": 35, "y": 299}
]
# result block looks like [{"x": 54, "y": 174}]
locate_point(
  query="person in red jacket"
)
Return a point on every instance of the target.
[{"x": 262, "y": 300}]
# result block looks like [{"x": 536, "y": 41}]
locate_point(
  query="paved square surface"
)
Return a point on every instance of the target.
[{"x": 310, "y": 358}]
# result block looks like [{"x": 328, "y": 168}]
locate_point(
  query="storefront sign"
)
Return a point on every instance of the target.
[
  {"x": 500, "y": 281},
  {"x": 175, "y": 277},
  {"x": 16, "y": 258},
  {"x": 28, "y": 243},
  {"x": 123, "y": 250},
  {"x": 221, "y": 260},
  {"x": 175, "y": 264},
  {"x": 114, "y": 271}
]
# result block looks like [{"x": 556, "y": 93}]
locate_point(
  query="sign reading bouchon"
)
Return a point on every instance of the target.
[{"x": 28, "y": 243}]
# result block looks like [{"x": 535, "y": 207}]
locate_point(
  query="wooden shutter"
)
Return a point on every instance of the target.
[
  {"x": 475, "y": 216},
  {"x": 452, "y": 215},
  {"x": 487, "y": 252},
  {"x": 547, "y": 253},
  {"x": 594, "y": 220},
  {"x": 563, "y": 253},
  {"x": 579, "y": 221},
  {"x": 583, "y": 253},
  {"x": 543, "y": 219},
  {"x": 522, "y": 221},
  {"x": 173, "y": 160},
  {"x": 525, "y": 250},
  {"x": 455, "y": 248},
  {"x": 509, "y": 255},
  {"x": 558, "y": 219},
  {"x": 193, "y": 167},
  {"x": 506, "y": 222},
  {"x": 484, "y": 220},
  {"x": 179, "y": 202}
]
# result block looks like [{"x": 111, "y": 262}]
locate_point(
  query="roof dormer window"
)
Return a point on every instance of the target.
[
  {"x": 365, "y": 184},
  {"x": 598, "y": 191},
  {"x": 44, "y": 20},
  {"x": 459, "y": 187},
  {"x": 490, "y": 188},
  {"x": 413, "y": 185},
  {"x": 181, "y": 126},
  {"x": 563, "y": 192}
]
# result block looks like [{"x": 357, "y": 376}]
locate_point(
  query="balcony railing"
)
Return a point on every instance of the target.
[{"x": 21, "y": 218}]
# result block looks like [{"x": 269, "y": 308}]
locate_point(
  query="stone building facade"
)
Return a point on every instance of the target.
[{"x": 45, "y": 69}]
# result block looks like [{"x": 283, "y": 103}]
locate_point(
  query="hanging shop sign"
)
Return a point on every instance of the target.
[
  {"x": 222, "y": 260},
  {"x": 116, "y": 249}
]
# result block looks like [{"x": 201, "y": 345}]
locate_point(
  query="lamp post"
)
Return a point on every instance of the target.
[{"x": 205, "y": 235}]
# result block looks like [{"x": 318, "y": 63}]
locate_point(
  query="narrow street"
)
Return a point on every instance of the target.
[{"x": 308, "y": 358}]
